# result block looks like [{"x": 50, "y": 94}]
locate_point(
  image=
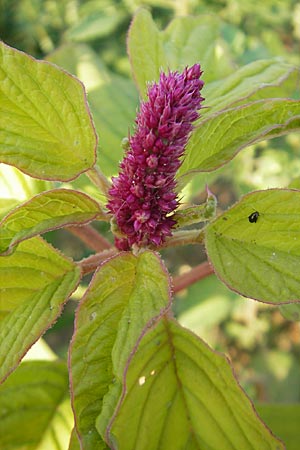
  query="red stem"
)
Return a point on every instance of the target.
[
  {"x": 197, "y": 273},
  {"x": 90, "y": 237},
  {"x": 91, "y": 263}
]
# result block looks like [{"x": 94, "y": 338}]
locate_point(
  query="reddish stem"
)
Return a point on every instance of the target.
[
  {"x": 91, "y": 263},
  {"x": 197, "y": 273},
  {"x": 90, "y": 237}
]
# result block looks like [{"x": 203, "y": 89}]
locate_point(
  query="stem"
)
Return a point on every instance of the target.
[
  {"x": 90, "y": 237},
  {"x": 99, "y": 179},
  {"x": 184, "y": 237},
  {"x": 91, "y": 263},
  {"x": 199, "y": 272}
]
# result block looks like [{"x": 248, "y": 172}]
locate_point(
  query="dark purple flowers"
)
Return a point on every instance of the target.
[{"x": 143, "y": 196}]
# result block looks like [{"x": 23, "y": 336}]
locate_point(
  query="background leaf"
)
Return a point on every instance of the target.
[
  {"x": 259, "y": 260},
  {"x": 179, "y": 394},
  {"x": 47, "y": 129},
  {"x": 112, "y": 98},
  {"x": 288, "y": 428},
  {"x": 35, "y": 282},
  {"x": 47, "y": 211},
  {"x": 125, "y": 293},
  {"x": 35, "y": 411}
]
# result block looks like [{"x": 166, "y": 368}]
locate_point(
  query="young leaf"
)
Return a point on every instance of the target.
[
  {"x": 220, "y": 137},
  {"x": 125, "y": 293},
  {"x": 35, "y": 282},
  {"x": 255, "y": 246},
  {"x": 46, "y": 128},
  {"x": 34, "y": 412},
  {"x": 145, "y": 50},
  {"x": 47, "y": 211},
  {"x": 178, "y": 393}
]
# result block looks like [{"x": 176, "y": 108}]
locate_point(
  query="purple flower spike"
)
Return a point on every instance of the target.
[{"x": 143, "y": 195}]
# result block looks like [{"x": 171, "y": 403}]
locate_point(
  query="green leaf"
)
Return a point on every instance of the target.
[
  {"x": 47, "y": 211},
  {"x": 33, "y": 413},
  {"x": 185, "y": 41},
  {"x": 283, "y": 419},
  {"x": 220, "y": 137},
  {"x": 74, "y": 442},
  {"x": 96, "y": 25},
  {"x": 47, "y": 131},
  {"x": 145, "y": 50},
  {"x": 125, "y": 293},
  {"x": 259, "y": 259},
  {"x": 113, "y": 100},
  {"x": 291, "y": 311},
  {"x": 35, "y": 282},
  {"x": 265, "y": 78},
  {"x": 178, "y": 393}
]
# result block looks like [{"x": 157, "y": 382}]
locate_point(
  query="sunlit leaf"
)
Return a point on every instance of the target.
[
  {"x": 220, "y": 137},
  {"x": 35, "y": 282},
  {"x": 255, "y": 246},
  {"x": 125, "y": 293},
  {"x": 35, "y": 412},
  {"x": 178, "y": 393},
  {"x": 46, "y": 127},
  {"x": 47, "y": 211}
]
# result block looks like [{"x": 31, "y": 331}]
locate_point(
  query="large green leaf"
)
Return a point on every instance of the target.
[
  {"x": 113, "y": 100},
  {"x": 35, "y": 412},
  {"x": 283, "y": 419},
  {"x": 47, "y": 211},
  {"x": 35, "y": 282},
  {"x": 46, "y": 128},
  {"x": 178, "y": 393},
  {"x": 259, "y": 259},
  {"x": 125, "y": 293},
  {"x": 221, "y": 136}
]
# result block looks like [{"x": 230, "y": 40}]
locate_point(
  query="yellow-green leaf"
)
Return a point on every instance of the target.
[
  {"x": 47, "y": 211},
  {"x": 179, "y": 394},
  {"x": 255, "y": 246},
  {"x": 46, "y": 128},
  {"x": 35, "y": 282}
]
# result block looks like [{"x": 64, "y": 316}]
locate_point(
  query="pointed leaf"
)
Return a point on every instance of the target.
[
  {"x": 35, "y": 282},
  {"x": 113, "y": 100},
  {"x": 220, "y": 137},
  {"x": 145, "y": 50},
  {"x": 125, "y": 293},
  {"x": 255, "y": 246},
  {"x": 46, "y": 128},
  {"x": 33, "y": 412},
  {"x": 178, "y": 393},
  {"x": 47, "y": 211}
]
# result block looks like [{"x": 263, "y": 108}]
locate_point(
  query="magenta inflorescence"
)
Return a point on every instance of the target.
[{"x": 143, "y": 196}]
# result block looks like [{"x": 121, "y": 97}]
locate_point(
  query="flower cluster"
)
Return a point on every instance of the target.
[{"x": 143, "y": 195}]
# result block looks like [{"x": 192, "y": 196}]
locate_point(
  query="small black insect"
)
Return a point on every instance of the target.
[{"x": 253, "y": 217}]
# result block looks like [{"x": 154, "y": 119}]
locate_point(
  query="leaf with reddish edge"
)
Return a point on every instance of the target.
[
  {"x": 125, "y": 293},
  {"x": 254, "y": 247},
  {"x": 219, "y": 137},
  {"x": 47, "y": 211},
  {"x": 46, "y": 127},
  {"x": 178, "y": 393},
  {"x": 35, "y": 282},
  {"x": 35, "y": 409}
]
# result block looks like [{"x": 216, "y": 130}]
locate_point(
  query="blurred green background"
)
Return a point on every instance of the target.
[{"x": 263, "y": 345}]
